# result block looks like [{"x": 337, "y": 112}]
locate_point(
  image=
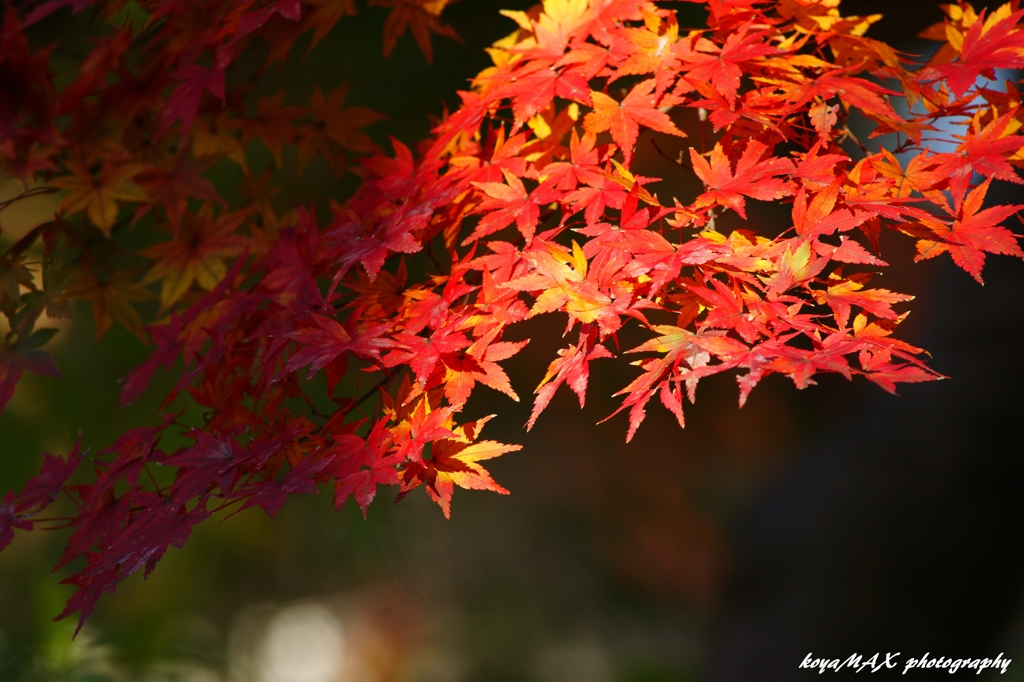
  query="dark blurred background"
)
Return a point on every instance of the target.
[{"x": 832, "y": 521}]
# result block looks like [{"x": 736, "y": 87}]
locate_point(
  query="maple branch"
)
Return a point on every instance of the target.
[
  {"x": 678, "y": 160},
  {"x": 702, "y": 116},
  {"x": 370, "y": 391},
  {"x": 35, "y": 191},
  {"x": 361, "y": 399},
  {"x": 905, "y": 146},
  {"x": 120, "y": 223},
  {"x": 152, "y": 478},
  {"x": 766, "y": 305},
  {"x": 433, "y": 257},
  {"x": 314, "y": 411},
  {"x": 543, "y": 218},
  {"x": 847, "y": 133}
]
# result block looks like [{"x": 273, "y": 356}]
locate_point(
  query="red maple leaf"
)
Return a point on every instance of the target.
[
  {"x": 510, "y": 203},
  {"x": 194, "y": 80},
  {"x": 705, "y": 61},
  {"x": 974, "y": 231},
  {"x": 572, "y": 367},
  {"x": 351, "y": 454},
  {"x": 982, "y": 151},
  {"x": 752, "y": 177},
  {"x": 24, "y": 356},
  {"x": 987, "y": 45}
]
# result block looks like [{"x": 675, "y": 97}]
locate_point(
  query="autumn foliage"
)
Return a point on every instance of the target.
[{"x": 522, "y": 202}]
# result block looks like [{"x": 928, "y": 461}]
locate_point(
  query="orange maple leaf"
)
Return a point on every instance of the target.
[
  {"x": 335, "y": 126},
  {"x": 326, "y": 14},
  {"x": 623, "y": 119},
  {"x": 479, "y": 364},
  {"x": 97, "y": 190},
  {"x": 652, "y": 45},
  {"x": 422, "y": 17},
  {"x": 112, "y": 299},
  {"x": 273, "y": 124},
  {"x": 844, "y": 292},
  {"x": 919, "y": 175},
  {"x": 453, "y": 463}
]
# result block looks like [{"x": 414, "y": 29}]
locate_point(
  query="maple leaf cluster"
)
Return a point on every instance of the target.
[{"x": 524, "y": 201}]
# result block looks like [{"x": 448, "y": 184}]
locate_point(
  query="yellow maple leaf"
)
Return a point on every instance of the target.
[
  {"x": 98, "y": 189},
  {"x": 196, "y": 255}
]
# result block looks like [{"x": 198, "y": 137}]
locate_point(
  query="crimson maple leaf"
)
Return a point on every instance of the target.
[
  {"x": 274, "y": 123},
  {"x": 352, "y": 453},
  {"x": 270, "y": 495},
  {"x": 422, "y": 17},
  {"x": 327, "y": 339},
  {"x": 325, "y": 15},
  {"x": 336, "y": 126},
  {"x": 194, "y": 80},
  {"x": 173, "y": 187},
  {"x": 24, "y": 356}
]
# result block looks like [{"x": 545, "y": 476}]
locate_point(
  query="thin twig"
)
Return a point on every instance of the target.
[
  {"x": 702, "y": 115},
  {"x": 678, "y": 160},
  {"x": 159, "y": 490},
  {"x": 35, "y": 191},
  {"x": 847, "y": 133},
  {"x": 370, "y": 391},
  {"x": 433, "y": 257}
]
